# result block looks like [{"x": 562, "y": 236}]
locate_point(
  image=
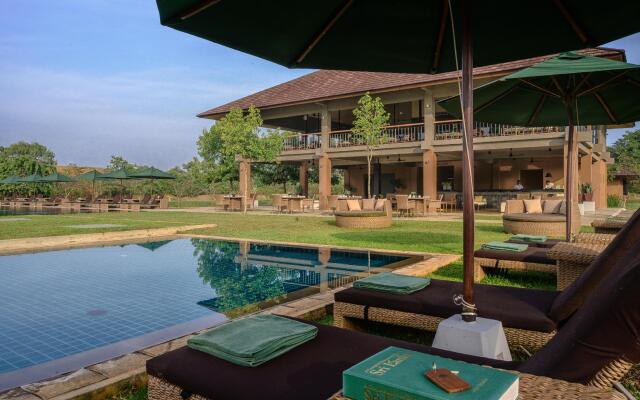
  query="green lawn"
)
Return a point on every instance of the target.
[
  {"x": 191, "y": 203},
  {"x": 428, "y": 236}
]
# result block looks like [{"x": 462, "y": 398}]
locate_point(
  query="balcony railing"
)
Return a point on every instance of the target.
[
  {"x": 395, "y": 134},
  {"x": 302, "y": 141},
  {"x": 452, "y": 129}
]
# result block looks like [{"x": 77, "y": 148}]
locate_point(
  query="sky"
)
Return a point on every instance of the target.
[{"x": 95, "y": 78}]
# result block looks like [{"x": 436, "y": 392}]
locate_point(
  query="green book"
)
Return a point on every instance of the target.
[{"x": 399, "y": 374}]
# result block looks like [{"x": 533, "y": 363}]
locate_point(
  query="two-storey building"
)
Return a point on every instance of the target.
[{"x": 424, "y": 148}]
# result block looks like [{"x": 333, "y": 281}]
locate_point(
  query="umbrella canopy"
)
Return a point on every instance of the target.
[
  {"x": 151, "y": 173},
  {"x": 33, "y": 178},
  {"x": 116, "y": 174},
  {"x": 90, "y": 176},
  {"x": 564, "y": 90},
  {"x": 411, "y": 36},
  {"x": 57, "y": 177},
  {"x": 602, "y": 91},
  {"x": 387, "y": 36},
  {"x": 10, "y": 180}
]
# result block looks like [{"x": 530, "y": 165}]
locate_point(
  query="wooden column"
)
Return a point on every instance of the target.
[
  {"x": 304, "y": 178},
  {"x": 430, "y": 174},
  {"x": 584, "y": 168},
  {"x": 324, "y": 178},
  {"x": 599, "y": 183},
  {"x": 429, "y": 116}
]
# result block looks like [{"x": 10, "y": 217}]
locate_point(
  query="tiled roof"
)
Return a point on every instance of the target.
[{"x": 328, "y": 84}]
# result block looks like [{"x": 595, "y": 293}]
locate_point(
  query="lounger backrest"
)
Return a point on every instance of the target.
[
  {"x": 604, "y": 333},
  {"x": 575, "y": 295}
]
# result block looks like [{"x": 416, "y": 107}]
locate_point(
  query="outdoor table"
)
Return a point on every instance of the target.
[
  {"x": 294, "y": 203},
  {"x": 235, "y": 202},
  {"x": 421, "y": 204}
]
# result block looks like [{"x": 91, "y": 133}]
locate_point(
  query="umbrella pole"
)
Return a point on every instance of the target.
[
  {"x": 468, "y": 229},
  {"x": 571, "y": 184}
]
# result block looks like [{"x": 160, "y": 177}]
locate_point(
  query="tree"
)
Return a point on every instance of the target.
[
  {"x": 626, "y": 152},
  {"x": 118, "y": 163},
  {"x": 370, "y": 118},
  {"x": 217, "y": 165},
  {"x": 277, "y": 174},
  {"x": 239, "y": 135},
  {"x": 24, "y": 159}
]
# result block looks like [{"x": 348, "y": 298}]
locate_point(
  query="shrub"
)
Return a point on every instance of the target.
[{"x": 614, "y": 201}]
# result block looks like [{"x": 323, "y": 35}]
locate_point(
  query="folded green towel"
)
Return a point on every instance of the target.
[
  {"x": 529, "y": 238},
  {"x": 517, "y": 247},
  {"x": 392, "y": 283},
  {"x": 254, "y": 340}
]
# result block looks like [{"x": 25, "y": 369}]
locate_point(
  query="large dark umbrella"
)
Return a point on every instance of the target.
[
  {"x": 119, "y": 174},
  {"x": 92, "y": 176},
  {"x": 567, "y": 89},
  {"x": 151, "y": 173},
  {"x": 57, "y": 177},
  {"x": 409, "y": 36}
]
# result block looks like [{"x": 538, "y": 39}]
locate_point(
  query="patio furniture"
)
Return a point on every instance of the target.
[
  {"x": 380, "y": 216},
  {"x": 332, "y": 202},
  {"x": 479, "y": 201},
  {"x": 278, "y": 203},
  {"x": 235, "y": 202},
  {"x": 609, "y": 225},
  {"x": 435, "y": 205},
  {"x": 530, "y": 317},
  {"x": 449, "y": 201},
  {"x": 550, "y": 222},
  {"x": 419, "y": 204},
  {"x": 564, "y": 368},
  {"x": 221, "y": 201},
  {"x": 403, "y": 206},
  {"x": 294, "y": 203}
]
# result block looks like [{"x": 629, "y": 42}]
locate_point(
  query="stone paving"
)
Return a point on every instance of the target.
[{"x": 106, "y": 379}]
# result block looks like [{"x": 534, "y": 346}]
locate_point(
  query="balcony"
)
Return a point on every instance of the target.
[
  {"x": 302, "y": 141},
  {"x": 452, "y": 129},
  {"x": 405, "y": 133}
]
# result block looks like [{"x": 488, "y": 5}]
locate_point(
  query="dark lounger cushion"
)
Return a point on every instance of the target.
[
  {"x": 515, "y": 307},
  {"x": 574, "y": 296},
  {"x": 604, "y": 329},
  {"x": 312, "y": 371},
  {"x": 533, "y": 254}
]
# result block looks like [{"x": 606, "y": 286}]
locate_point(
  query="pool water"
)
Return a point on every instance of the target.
[
  {"x": 62, "y": 310},
  {"x": 39, "y": 211}
]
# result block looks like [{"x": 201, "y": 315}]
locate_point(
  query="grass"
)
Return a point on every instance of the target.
[
  {"x": 427, "y": 236},
  {"x": 191, "y": 203}
]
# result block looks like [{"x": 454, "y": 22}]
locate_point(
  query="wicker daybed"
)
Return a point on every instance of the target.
[
  {"x": 368, "y": 214},
  {"x": 609, "y": 225},
  {"x": 530, "y": 317},
  {"x": 313, "y": 371},
  {"x": 550, "y": 222},
  {"x": 538, "y": 257}
]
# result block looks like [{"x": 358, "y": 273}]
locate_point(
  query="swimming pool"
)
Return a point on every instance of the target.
[
  {"x": 63, "y": 310},
  {"x": 40, "y": 211}
]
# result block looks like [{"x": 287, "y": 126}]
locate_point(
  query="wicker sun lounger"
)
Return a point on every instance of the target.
[
  {"x": 565, "y": 368},
  {"x": 530, "y": 317}
]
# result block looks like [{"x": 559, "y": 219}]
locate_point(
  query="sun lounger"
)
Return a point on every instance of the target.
[
  {"x": 568, "y": 367},
  {"x": 573, "y": 257},
  {"x": 530, "y": 317}
]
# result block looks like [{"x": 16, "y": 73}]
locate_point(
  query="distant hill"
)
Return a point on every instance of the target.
[{"x": 73, "y": 170}]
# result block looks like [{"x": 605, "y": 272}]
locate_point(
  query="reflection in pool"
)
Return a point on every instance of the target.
[{"x": 62, "y": 310}]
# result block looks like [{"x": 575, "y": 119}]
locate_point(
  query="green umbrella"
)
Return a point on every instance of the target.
[
  {"x": 151, "y": 173},
  {"x": 57, "y": 177},
  {"x": 10, "y": 180},
  {"x": 567, "y": 89},
  {"x": 120, "y": 174},
  {"x": 92, "y": 176},
  {"x": 33, "y": 178},
  {"x": 411, "y": 36}
]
